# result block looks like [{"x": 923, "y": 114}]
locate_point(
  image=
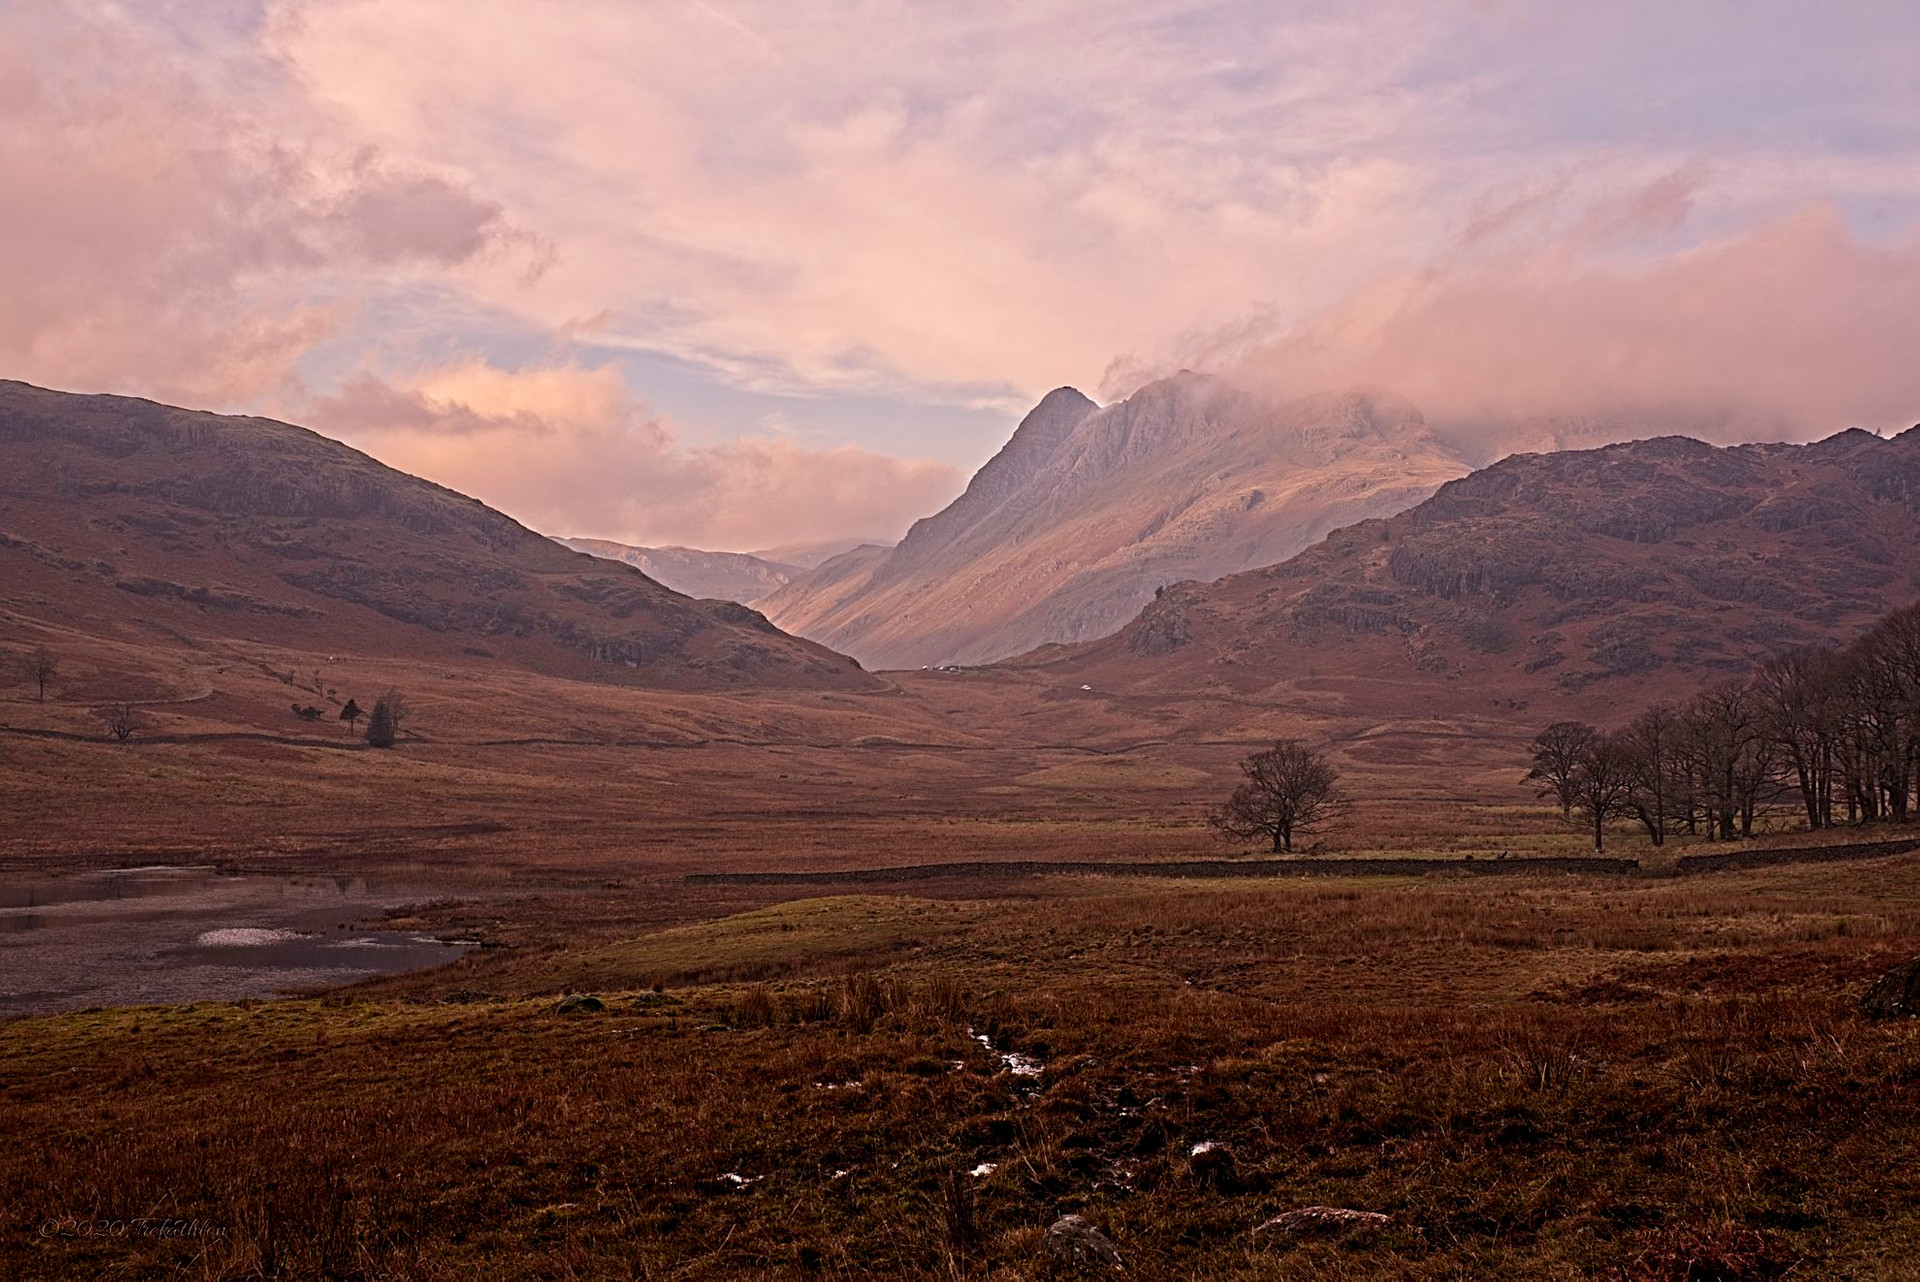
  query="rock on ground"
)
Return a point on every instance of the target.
[
  {"x": 1076, "y": 1241},
  {"x": 1895, "y": 993}
]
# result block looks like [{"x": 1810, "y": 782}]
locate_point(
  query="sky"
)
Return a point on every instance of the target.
[{"x": 736, "y": 274}]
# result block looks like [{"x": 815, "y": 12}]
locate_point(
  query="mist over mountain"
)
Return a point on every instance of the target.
[
  {"x": 1087, "y": 511},
  {"x": 806, "y": 555},
  {"x": 1591, "y": 579},
  {"x": 722, "y": 576}
]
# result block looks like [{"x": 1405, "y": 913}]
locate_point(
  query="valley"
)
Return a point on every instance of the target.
[
  {"x": 1012, "y": 642},
  {"x": 658, "y": 1045}
]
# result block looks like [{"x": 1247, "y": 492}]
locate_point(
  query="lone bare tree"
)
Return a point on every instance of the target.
[
  {"x": 121, "y": 720},
  {"x": 1290, "y": 791},
  {"x": 44, "y": 666},
  {"x": 383, "y": 726},
  {"x": 1556, "y": 760}
]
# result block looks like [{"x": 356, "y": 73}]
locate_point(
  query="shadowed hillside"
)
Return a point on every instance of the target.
[
  {"x": 1592, "y": 577},
  {"x": 126, "y": 518}
]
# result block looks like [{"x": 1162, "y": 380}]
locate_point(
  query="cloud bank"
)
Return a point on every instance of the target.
[
  {"x": 421, "y": 217},
  {"x": 573, "y": 450},
  {"x": 1792, "y": 329},
  {"x": 157, "y": 237}
]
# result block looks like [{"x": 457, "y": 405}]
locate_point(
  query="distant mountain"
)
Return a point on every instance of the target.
[
  {"x": 721, "y": 576},
  {"x": 1590, "y": 579},
  {"x": 1086, "y": 512},
  {"x": 127, "y": 517},
  {"x": 808, "y": 555}
]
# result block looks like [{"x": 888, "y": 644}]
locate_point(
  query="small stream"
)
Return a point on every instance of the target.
[{"x": 170, "y": 934}]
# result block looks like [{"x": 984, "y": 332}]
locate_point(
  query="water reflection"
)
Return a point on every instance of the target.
[{"x": 189, "y": 933}]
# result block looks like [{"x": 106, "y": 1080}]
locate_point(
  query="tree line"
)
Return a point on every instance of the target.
[
  {"x": 1831, "y": 732},
  {"x": 123, "y": 718}
]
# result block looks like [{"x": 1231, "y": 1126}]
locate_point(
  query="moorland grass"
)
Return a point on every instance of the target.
[{"x": 1555, "y": 1078}]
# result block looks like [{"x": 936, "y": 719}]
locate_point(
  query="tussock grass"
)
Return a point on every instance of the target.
[{"x": 1565, "y": 1079}]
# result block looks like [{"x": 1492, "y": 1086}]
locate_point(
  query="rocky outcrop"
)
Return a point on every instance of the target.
[
  {"x": 1074, "y": 1241},
  {"x": 1313, "y": 1220},
  {"x": 1617, "y": 574}
]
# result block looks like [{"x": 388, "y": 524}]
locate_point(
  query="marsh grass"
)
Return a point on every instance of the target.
[{"x": 1561, "y": 1079}]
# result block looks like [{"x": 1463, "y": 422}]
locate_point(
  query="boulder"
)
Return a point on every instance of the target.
[
  {"x": 580, "y": 1004},
  {"x": 1212, "y": 1166},
  {"x": 1895, "y": 993},
  {"x": 1076, "y": 1241}
]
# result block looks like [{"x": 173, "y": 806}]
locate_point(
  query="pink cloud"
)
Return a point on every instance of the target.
[
  {"x": 159, "y": 236},
  {"x": 570, "y": 451},
  {"x": 1794, "y": 327}
]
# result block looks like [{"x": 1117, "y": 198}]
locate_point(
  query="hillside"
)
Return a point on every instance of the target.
[
  {"x": 1591, "y": 579},
  {"x": 127, "y": 518},
  {"x": 1086, "y": 511},
  {"x": 717, "y": 576},
  {"x": 807, "y": 555}
]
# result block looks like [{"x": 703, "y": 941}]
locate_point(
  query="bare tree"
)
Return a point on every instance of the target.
[
  {"x": 1556, "y": 760},
  {"x": 1889, "y": 659},
  {"x": 121, "y": 719},
  {"x": 383, "y": 725},
  {"x": 1797, "y": 692},
  {"x": 1815, "y": 721},
  {"x": 1603, "y": 780},
  {"x": 45, "y": 666},
  {"x": 1291, "y": 790},
  {"x": 1737, "y": 756},
  {"x": 1649, "y": 742}
]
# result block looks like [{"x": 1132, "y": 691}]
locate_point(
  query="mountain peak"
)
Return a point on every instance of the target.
[
  {"x": 1064, "y": 399},
  {"x": 1032, "y": 444},
  {"x": 1068, "y": 530}
]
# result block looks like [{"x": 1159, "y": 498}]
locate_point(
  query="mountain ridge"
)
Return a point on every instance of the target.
[
  {"x": 1070, "y": 528},
  {"x": 1579, "y": 578},
  {"x": 740, "y": 577}
]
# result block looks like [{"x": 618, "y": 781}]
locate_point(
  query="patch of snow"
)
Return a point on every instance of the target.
[
  {"x": 1204, "y": 1146},
  {"x": 740, "y": 1181},
  {"x": 984, "y": 1169}
]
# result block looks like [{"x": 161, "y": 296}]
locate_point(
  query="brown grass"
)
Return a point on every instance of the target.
[
  {"x": 1561, "y": 1079},
  {"x": 1534, "y": 1077}
]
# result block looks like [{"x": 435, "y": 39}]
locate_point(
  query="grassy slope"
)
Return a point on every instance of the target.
[
  {"x": 1552, "y": 1078},
  {"x": 1540, "y": 1078}
]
